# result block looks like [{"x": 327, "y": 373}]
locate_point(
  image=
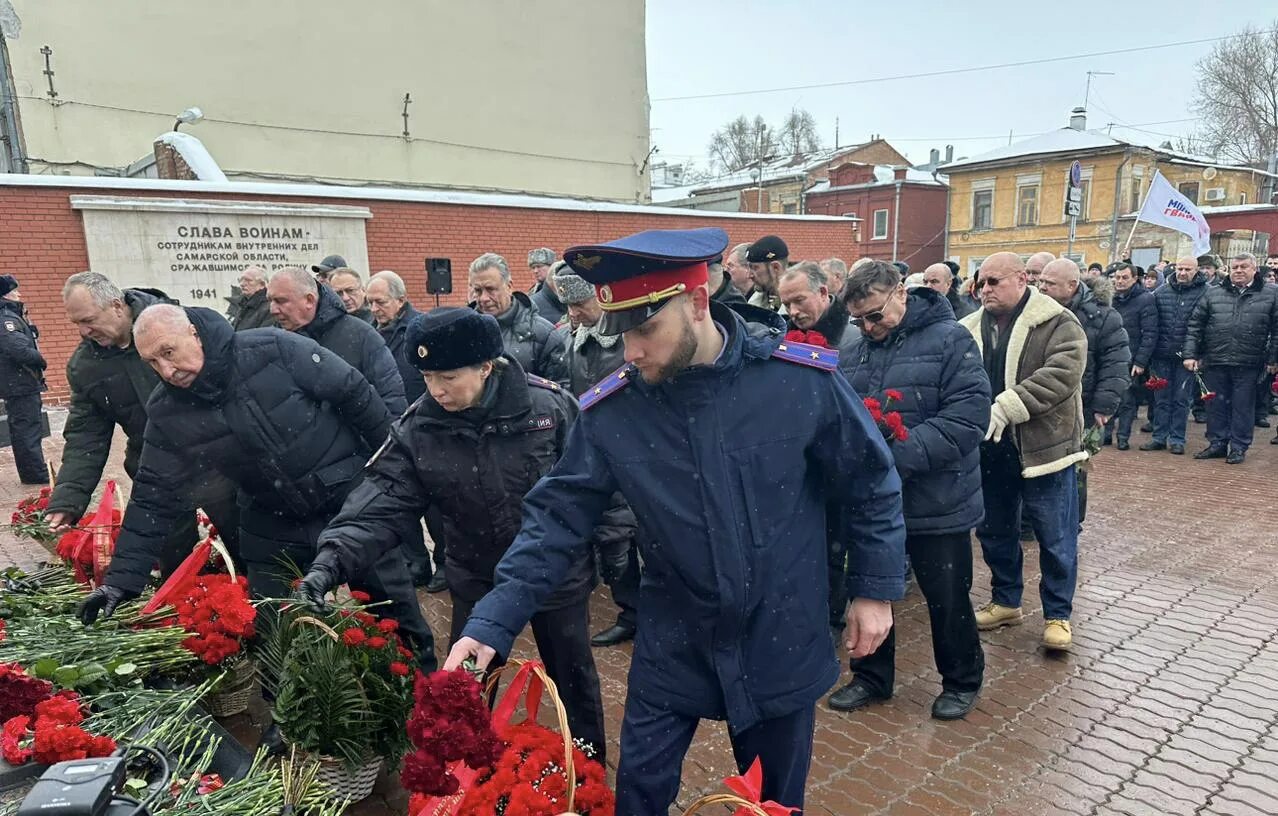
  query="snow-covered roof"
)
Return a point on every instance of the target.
[
  {"x": 884, "y": 174},
  {"x": 456, "y": 197},
  {"x": 786, "y": 167},
  {"x": 1238, "y": 208},
  {"x": 195, "y": 154}
]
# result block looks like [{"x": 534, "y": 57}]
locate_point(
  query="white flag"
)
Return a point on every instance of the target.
[{"x": 1167, "y": 207}]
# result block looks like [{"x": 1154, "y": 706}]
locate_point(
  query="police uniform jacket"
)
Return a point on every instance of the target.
[
  {"x": 21, "y": 363},
  {"x": 109, "y": 386},
  {"x": 394, "y": 334},
  {"x": 532, "y": 341},
  {"x": 359, "y": 344},
  {"x": 733, "y": 618},
  {"x": 286, "y": 420},
  {"x": 474, "y": 466},
  {"x": 934, "y": 363}
]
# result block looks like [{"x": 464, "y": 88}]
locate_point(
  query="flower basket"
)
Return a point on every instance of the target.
[
  {"x": 743, "y": 807},
  {"x": 746, "y": 798},
  {"x": 232, "y": 694},
  {"x": 349, "y": 784}
]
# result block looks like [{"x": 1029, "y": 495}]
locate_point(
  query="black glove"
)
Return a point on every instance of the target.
[
  {"x": 613, "y": 563},
  {"x": 324, "y": 575},
  {"x": 103, "y": 601}
]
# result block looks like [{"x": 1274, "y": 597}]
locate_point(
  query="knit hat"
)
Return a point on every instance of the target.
[
  {"x": 451, "y": 337},
  {"x": 768, "y": 248},
  {"x": 572, "y": 288},
  {"x": 7, "y": 284}
]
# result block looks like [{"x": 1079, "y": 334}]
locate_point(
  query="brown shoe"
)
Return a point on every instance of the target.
[
  {"x": 992, "y": 616},
  {"x": 1057, "y": 635}
]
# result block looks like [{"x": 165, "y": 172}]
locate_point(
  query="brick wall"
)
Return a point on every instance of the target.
[{"x": 42, "y": 243}]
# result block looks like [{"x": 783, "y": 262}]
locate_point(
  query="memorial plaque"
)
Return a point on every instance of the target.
[{"x": 194, "y": 250}]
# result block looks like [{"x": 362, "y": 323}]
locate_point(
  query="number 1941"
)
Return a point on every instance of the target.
[{"x": 203, "y": 294}]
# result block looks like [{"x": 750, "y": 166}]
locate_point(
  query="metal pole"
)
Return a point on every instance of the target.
[{"x": 1069, "y": 247}]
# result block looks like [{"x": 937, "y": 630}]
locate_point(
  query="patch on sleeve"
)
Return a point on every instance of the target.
[
  {"x": 9, "y": 325},
  {"x": 611, "y": 384},
  {"x": 808, "y": 355},
  {"x": 377, "y": 453}
]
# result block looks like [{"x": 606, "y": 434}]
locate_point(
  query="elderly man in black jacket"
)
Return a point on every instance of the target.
[
  {"x": 1233, "y": 335},
  {"x": 911, "y": 356},
  {"x": 1108, "y": 372},
  {"x": 250, "y": 310},
  {"x": 530, "y": 338},
  {"x": 286, "y": 420},
  {"x": 1135, "y": 304},
  {"x": 592, "y": 357},
  {"x": 110, "y": 386},
  {"x": 312, "y": 309},
  {"x": 543, "y": 296},
  {"x": 810, "y": 308}
]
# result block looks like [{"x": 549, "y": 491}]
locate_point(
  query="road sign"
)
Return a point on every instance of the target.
[{"x": 1076, "y": 175}]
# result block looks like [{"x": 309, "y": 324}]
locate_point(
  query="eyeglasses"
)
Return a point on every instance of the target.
[{"x": 875, "y": 316}]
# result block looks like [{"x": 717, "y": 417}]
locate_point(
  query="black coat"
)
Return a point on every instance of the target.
[
  {"x": 962, "y": 306},
  {"x": 395, "y": 334},
  {"x": 359, "y": 344},
  {"x": 252, "y": 312},
  {"x": 589, "y": 360},
  {"x": 1109, "y": 358},
  {"x": 474, "y": 466},
  {"x": 109, "y": 386},
  {"x": 1140, "y": 321},
  {"x": 1175, "y": 302},
  {"x": 1235, "y": 327},
  {"x": 531, "y": 340},
  {"x": 835, "y": 325},
  {"x": 935, "y": 364},
  {"x": 287, "y": 421},
  {"x": 21, "y": 364},
  {"x": 728, "y": 293},
  {"x": 547, "y": 303}
]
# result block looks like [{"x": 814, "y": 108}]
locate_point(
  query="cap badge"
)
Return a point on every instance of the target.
[
  {"x": 771, "y": 255},
  {"x": 587, "y": 262},
  {"x": 605, "y": 294},
  {"x": 422, "y": 352}
]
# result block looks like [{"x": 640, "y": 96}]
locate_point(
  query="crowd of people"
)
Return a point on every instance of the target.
[{"x": 324, "y": 421}]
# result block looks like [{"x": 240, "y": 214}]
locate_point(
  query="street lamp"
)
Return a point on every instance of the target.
[{"x": 188, "y": 117}]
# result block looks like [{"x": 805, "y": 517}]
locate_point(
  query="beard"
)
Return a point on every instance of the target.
[{"x": 681, "y": 359}]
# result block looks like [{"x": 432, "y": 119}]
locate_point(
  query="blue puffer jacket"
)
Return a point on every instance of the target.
[
  {"x": 1140, "y": 319},
  {"x": 934, "y": 363},
  {"x": 1175, "y": 302}
]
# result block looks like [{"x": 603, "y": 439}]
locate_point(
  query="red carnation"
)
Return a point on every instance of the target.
[
  {"x": 354, "y": 636},
  {"x": 377, "y": 642},
  {"x": 387, "y": 626},
  {"x": 399, "y": 669},
  {"x": 359, "y": 596},
  {"x": 872, "y": 404},
  {"x": 893, "y": 395}
]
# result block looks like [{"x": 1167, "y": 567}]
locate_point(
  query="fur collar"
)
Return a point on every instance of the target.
[
  {"x": 584, "y": 333},
  {"x": 1038, "y": 310}
]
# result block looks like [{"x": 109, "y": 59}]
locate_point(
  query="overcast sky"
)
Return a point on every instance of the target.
[{"x": 700, "y": 47}]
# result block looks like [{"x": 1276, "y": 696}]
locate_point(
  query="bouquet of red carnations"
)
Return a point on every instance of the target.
[
  {"x": 28, "y": 520},
  {"x": 812, "y": 338},
  {"x": 1156, "y": 383},
  {"x": 217, "y": 613},
  {"x": 41, "y": 725},
  {"x": 890, "y": 422}
]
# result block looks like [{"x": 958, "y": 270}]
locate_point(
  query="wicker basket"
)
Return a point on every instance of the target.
[
  {"x": 346, "y": 784},
  {"x": 727, "y": 799},
  {"x": 234, "y": 692}
]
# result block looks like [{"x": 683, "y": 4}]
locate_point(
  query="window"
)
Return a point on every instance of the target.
[
  {"x": 1242, "y": 198},
  {"x": 1084, "y": 187},
  {"x": 983, "y": 209},
  {"x": 1189, "y": 189},
  {"x": 789, "y": 209},
  {"x": 1133, "y": 192},
  {"x": 880, "y": 224},
  {"x": 1027, "y": 205}
]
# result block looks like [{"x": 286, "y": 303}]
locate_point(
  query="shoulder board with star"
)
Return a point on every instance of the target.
[
  {"x": 808, "y": 355},
  {"x": 542, "y": 382},
  {"x": 611, "y": 384}
]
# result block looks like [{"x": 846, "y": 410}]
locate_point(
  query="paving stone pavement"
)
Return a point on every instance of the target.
[{"x": 1168, "y": 703}]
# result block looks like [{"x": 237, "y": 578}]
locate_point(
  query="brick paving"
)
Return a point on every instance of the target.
[{"x": 1167, "y": 705}]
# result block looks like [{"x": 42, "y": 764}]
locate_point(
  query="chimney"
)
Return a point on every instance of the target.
[
  {"x": 1078, "y": 119},
  {"x": 949, "y": 153},
  {"x": 934, "y": 157}
]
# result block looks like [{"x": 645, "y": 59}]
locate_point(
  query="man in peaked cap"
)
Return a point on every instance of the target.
[
  {"x": 732, "y": 617},
  {"x": 768, "y": 257}
]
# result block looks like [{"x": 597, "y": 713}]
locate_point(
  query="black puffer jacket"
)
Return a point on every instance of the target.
[
  {"x": 21, "y": 364},
  {"x": 531, "y": 340},
  {"x": 395, "y": 334},
  {"x": 1140, "y": 321},
  {"x": 359, "y": 344},
  {"x": 935, "y": 364},
  {"x": 1235, "y": 327},
  {"x": 287, "y": 421},
  {"x": 109, "y": 386},
  {"x": 474, "y": 466},
  {"x": 547, "y": 303},
  {"x": 1109, "y": 358},
  {"x": 1176, "y": 302},
  {"x": 252, "y": 312}
]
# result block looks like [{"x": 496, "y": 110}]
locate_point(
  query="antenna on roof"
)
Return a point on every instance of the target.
[{"x": 1088, "y": 93}]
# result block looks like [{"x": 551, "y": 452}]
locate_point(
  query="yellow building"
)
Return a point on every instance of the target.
[{"x": 1013, "y": 198}]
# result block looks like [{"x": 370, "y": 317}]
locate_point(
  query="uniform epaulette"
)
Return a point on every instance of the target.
[
  {"x": 611, "y": 384},
  {"x": 542, "y": 382},
  {"x": 808, "y": 355}
]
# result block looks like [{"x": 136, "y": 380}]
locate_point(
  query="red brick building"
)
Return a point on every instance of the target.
[
  {"x": 900, "y": 212},
  {"x": 43, "y": 236}
]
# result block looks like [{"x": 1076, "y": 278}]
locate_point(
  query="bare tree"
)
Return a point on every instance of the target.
[
  {"x": 742, "y": 142},
  {"x": 798, "y": 133},
  {"x": 1238, "y": 96}
]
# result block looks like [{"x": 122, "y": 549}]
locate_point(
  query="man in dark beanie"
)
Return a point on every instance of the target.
[
  {"x": 483, "y": 435},
  {"x": 21, "y": 381},
  {"x": 768, "y": 257}
]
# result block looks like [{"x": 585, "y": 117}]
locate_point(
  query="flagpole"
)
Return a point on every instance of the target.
[{"x": 1139, "y": 210}]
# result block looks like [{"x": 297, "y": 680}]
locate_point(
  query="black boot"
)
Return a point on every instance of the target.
[
  {"x": 853, "y": 696},
  {"x": 954, "y": 705},
  {"x": 438, "y": 583},
  {"x": 617, "y": 633}
]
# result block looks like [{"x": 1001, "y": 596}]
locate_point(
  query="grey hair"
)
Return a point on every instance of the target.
[
  {"x": 739, "y": 252},
  {"x": 809, "y": 269},
  {"x": 491, "y": 260},
  {"x": 255, "y": 272},
  {"x": 99, "y": 287},
  {"x": 160, "y": 316},
  {"x": 394, "y": 284},
  {"x": 835, "y": 264},
  {"x": 1246, "y": 256},
  {"x": 302, "y": 278},
  {"x": 870, "y": 278},
  {"x": 346, "y": 270}
]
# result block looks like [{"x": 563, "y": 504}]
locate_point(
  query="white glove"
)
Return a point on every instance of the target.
[{"x": 998, "y": 423}]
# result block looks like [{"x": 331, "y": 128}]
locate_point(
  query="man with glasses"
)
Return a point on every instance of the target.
[
  {"x": 1034, "y": 352},
  {"x": 253, "y": 310},
  {"x": 349, "y": 287}
]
